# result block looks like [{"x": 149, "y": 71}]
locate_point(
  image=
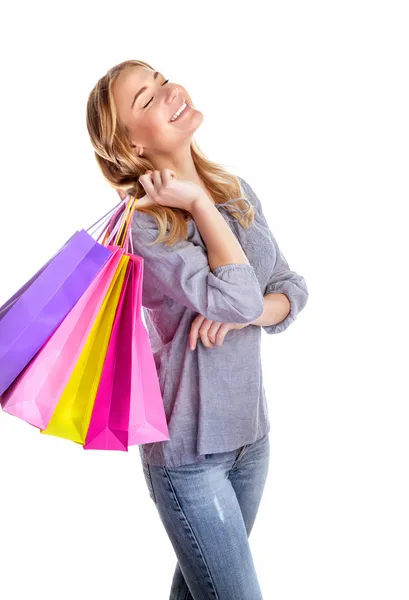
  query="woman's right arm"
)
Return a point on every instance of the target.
[
  {"x": 222, "y": 245},
  {"x": 229, "y": 293},
  {"x": 162, "y": 187}
]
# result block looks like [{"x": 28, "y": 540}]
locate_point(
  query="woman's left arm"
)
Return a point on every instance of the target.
[
  {"x": 285, "y": 296},
  {"x": 286, "y": 292}
]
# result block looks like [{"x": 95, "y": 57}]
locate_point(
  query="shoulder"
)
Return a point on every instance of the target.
[
  {"x": 144, "y": 227},
  {"x": 246, "y": 186},
  {"x": 142, "y": 220},
  {"x": 145, "y": 231},
  {"x": 249, "y": 192}
]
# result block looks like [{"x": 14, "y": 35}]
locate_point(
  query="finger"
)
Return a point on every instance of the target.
[
  {"x": 194, "y": 331},
  {"x": 203, "y": 333},
  {"x": 212, "y": 331},
  {"x": 146, "y": 182},
  {"x": 167, "y": 175},
  {"x": 157, "y": 181},
  {"x": 221, "y": 333}
]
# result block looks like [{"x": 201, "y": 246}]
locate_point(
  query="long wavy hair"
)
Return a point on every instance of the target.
[{"x": 121, "y": 167}]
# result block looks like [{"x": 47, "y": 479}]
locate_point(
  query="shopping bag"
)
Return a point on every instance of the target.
[
  {"x": 128, "y": 409},
  {"x": 147, "y": 418},
  {"x": 57, "y": 391},
  {"x": 34, "y": 313},
  {"x": 6, "y": 307},
  {"x": 72, "y": 414},
  {"x": 109, "y": 424},
  {"x": 11, "y": 301},
  {"x": 35, "y": 392}
]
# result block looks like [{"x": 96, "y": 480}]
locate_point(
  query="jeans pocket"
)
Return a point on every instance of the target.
[{"x": 148, "y": 478}]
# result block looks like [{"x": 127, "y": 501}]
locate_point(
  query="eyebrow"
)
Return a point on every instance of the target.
[{"x": 143, "y": 89}]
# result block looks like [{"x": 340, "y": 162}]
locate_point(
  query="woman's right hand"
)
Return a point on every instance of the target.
[{"x": 163, "y": 188}]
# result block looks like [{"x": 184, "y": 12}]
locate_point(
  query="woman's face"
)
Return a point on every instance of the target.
[{"x": 145, "y": 102}]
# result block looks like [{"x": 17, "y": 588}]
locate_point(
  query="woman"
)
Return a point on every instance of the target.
[{"x": 213, "y": 282}]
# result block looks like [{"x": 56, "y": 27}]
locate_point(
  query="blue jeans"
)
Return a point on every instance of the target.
[{"x": 208, "y": 510}]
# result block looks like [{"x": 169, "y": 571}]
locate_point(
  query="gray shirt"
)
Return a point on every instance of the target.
[{"x": 214, "y": 398}]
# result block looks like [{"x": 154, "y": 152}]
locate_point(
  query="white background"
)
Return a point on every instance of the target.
[{"x": 308, "y": 101}]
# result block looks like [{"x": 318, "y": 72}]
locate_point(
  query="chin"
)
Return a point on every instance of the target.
[
  {"x": 195, "y": 121},
  {"x": 197, "y": 118}
]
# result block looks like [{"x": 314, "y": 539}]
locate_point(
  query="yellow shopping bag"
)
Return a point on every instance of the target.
[{"x": 72, "y": 415}]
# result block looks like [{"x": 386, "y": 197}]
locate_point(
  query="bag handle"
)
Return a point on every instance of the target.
[
  {"x": 122, "y": 228},
  {"x": 116, "y": 208}
]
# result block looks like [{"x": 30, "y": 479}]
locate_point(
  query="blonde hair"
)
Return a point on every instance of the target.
[{"x": 121, "y": 167}]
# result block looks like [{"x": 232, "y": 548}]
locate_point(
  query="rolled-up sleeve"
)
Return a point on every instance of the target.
[
  {"x": 290, "y": 283},
  {"x": 282, "y": 279},
  {"x": 229, "y": 294}
]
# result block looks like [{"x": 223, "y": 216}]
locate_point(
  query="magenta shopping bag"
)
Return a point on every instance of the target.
[
  {"x": 28, "y": 321},
  {"x": 128, "y": 409},
  {"x": 109, "y": 424},
  {"x": 34, "y": 394}
]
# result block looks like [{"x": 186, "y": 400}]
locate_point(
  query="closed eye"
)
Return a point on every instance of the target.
[{"x": 152, "y": 97}]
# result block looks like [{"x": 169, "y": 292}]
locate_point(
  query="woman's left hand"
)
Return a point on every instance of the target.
[{"x": 210, "y": 332}]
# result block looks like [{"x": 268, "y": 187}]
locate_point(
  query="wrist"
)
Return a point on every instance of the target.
[{"x": 202, "y": 199}]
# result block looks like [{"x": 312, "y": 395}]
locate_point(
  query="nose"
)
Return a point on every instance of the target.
[{"x": 174, "y": 94}]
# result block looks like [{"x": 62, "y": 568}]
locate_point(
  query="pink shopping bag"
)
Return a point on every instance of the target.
[{"x": 147, "y": 418}]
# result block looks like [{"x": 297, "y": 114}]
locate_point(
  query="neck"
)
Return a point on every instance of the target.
[{"x": 182, "y": 164}]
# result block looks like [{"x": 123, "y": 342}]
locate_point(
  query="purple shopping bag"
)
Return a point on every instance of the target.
[
  {"x": 6, "y": 307},
  {"x": 33, "y": 314}
]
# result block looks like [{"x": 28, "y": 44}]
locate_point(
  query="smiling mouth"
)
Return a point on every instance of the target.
[{"x": 186, "y": 108}]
